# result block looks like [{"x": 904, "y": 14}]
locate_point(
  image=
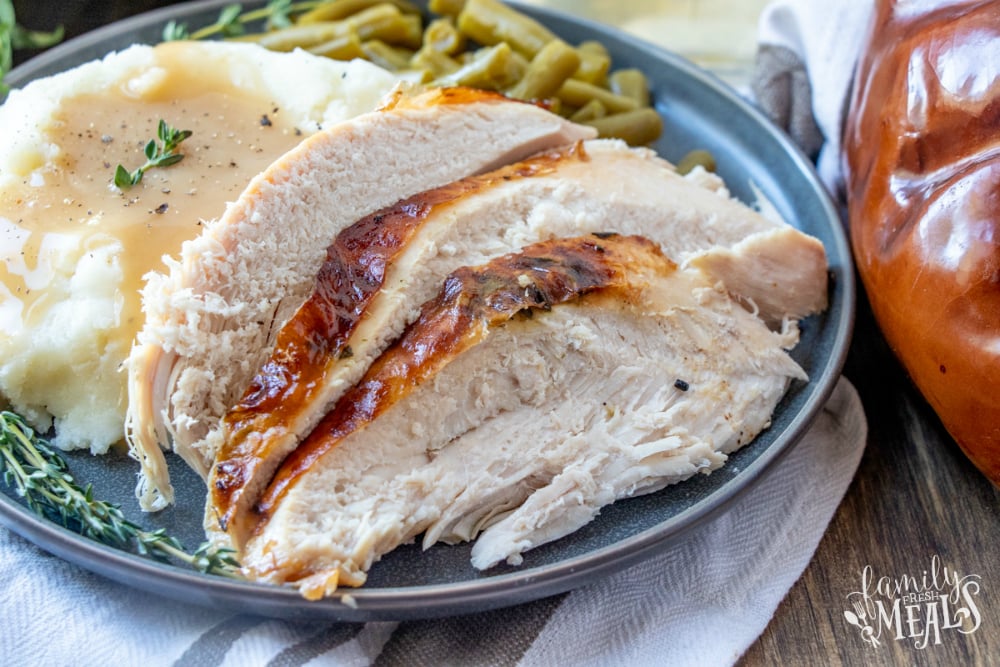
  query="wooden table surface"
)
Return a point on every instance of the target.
[
  {"x": 916, "y": 504},
  {"x": 915, "y": 499}
]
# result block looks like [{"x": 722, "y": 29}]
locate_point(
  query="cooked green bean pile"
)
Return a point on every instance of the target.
[{"x": 480, "y": 43}]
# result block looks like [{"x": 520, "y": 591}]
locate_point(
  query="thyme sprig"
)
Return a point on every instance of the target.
[
  {"x": 14, "y": 36},
  {"x": 161, "y": 154},
  {"x": 232, "y": 20},
  {"x": 41, "y": 477}
]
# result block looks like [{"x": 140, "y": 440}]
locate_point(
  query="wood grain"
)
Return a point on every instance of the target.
[{"x": 915, "y": 496}]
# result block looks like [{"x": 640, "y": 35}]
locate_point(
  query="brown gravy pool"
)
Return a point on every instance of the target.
[{"x": 72, "y": 205}]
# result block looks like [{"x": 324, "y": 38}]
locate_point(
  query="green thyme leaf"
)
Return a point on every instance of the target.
[
  {"x": 123, "y": 178},
  {"x": 7, "y": 13},
  {"x": 40, "y": 476},
  {"x": 175, "y": 31},
  {"x": 7, "y": 24},
  {"x": 232, "y": 19},
  {"x": 279, "y": 15},
  {"x": 163, "y": 154},
  {"x": 22, "y": 38},
  {"x": 228, "y": 22}
]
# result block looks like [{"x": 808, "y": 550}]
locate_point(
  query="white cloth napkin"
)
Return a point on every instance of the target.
[
  {"x": 703, "y": 601},
  {"x": 825, "y": 39}
]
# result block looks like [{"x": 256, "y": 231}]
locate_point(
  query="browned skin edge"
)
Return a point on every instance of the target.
[
  {"x": 473, "y": 300},
  {"x": 315, "y": 338},
  {"x": 452, "y": 95},
  {"x": 438, "y": 96}
]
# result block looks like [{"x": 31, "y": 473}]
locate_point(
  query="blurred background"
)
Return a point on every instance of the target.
[
  {"x": 76, "y": 16},
  {"x": 719, "y": 35}
]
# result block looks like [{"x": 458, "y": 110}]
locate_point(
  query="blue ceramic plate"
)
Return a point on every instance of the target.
[{"x": 699, "y": 112}]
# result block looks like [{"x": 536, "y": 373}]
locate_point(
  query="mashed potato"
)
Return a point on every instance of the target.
[{"x": 74, "y": 249}]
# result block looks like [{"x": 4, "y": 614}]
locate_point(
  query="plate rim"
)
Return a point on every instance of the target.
[{"x": 506, "y": 589}]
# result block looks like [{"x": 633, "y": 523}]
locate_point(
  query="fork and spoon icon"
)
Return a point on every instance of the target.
[{"x": 859, "y": 619}]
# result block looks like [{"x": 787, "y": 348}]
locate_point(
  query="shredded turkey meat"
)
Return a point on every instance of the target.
[
  {"x": 531, "y": 392},
  {"x": 379, "y": 270}
]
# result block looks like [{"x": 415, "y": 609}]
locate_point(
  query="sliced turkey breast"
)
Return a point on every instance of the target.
[
  {"x": 531, "y": 392},
  {"x": 211, "y": 320},
  {"x": 379, "y": 271}
]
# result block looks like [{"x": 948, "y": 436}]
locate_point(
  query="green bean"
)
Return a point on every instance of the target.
[
  {"x": 435, "y": 62},
  {"x": 383, "y": 22},
  {"x": 577, "y": 93},
  {"x": 519, "y": 64},
  {"x": 555, "y": 105},
  {"x": 696, "y": 158},
  {"x": 593, "y": 68},
  {"x": 592, "y": 110},
  {"x": 442, "y": 35},
  {"x": 386, "y": 23},
  {"x": 556, "y": 62},
  {"x": 418, "y": 77},
  {"x": 385, "y": 56},
  {"x": 593, "y": 46},
  {"x": 491, "y": 22},
  {"x": 407, "y": 31},
  {"x": 446, "y": 7},
  {"x": 630, "y": 83},
  {"x": 335, "y": 10},
  {"x": 298, "y": 36},
  {"x": 520, "y": 56},
  {"x": 346, "y": 47},
  {"x": 492, "y": 69},
  {"x": 638, "y": 127}
]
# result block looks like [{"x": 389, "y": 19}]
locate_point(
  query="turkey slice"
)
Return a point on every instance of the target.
[
  {"x": 379, "y": 271},
  {"x": 212, "y": 318},
  {"x": 530, "y": 393}
]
